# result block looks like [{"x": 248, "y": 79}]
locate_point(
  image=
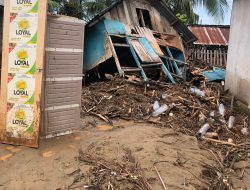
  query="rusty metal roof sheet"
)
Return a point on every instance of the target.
[{"x": 211, "y": 34}]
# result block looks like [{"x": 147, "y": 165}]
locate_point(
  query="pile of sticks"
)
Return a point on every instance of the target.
[
  {"x": 110, "y": 174},
  {"x": 132, "y": 99}
]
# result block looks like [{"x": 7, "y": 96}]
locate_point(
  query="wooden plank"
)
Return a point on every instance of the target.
[
  {"x": 41, "y": 36},
  {"x": 118, "y": 65},
  {"x": 217, "y": 58},
  {"x": 114, "y": 14},
  {"x": 121, "y": 13},
  {"x": 214, "y": 61},
  {"x": 221, "y": 60},
  {"x": 211, "y": 57},
  {"x": 11, "y": 132},
  {"x": 4, "y": 70},
  {"x": 208, "y": 60},
  {"x": 126, "y": 13},
  {"x": 225, "y": 58},
  {"x": 142, "y": 18}
]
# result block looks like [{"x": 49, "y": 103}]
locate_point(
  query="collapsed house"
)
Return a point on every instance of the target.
[
  {"x": 142, "y": 36},
  {"x": 212, "y": 45}
]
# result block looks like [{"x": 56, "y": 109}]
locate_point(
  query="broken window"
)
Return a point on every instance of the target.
[{"x": 144, "y": 18}]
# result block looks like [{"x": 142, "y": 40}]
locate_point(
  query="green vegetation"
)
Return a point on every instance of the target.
[{"x": 184, "y": 9}]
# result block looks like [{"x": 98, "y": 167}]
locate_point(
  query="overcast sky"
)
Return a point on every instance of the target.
[{"x": 206, "y": 19}]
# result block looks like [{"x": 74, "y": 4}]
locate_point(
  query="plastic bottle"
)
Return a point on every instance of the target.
[
  {"x": 222, "y": 110},
  {"x": 203, "y": 130},
  {"x": 160, "y": 111},
  {"x": 231, "y": 122},
  {"x": 197, "y": 91},
  {"x": 156, "y": 105}
]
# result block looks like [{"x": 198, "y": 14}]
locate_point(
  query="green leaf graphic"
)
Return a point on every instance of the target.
[
  {"x": 33, "y": 40},
  {"x": 32, "y": 70},
  {"x": 35, "y": 8},
  {"x": 31, "y": 128},
  {"x": 31, "y": 100}
]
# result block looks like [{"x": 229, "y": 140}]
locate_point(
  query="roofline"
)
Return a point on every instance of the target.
[{"x": 103, "y": 12}]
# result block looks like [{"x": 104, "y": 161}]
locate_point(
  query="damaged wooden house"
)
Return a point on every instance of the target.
[{"x": 141, "y": 37}]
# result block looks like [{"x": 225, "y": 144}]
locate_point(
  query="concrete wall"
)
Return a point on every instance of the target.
[{"x": 238, "y": 65}]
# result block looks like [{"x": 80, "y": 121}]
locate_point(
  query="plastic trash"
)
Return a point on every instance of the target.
[
  {"x": 156, "y": 105},
  {"x": 231, "y": 122},
  {"x": 222, "y": 110},
  {"x": 245, "y": 131},
  {"x": 164, "y": 96},
  {"x": 197, "y": 91},
  {"x": 203, "y": 130},
  {"x": 212, "y": 114},
  {"x": 160, "y": 111}
]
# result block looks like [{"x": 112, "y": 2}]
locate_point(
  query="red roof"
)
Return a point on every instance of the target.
[{"x": 211, "y": 34}]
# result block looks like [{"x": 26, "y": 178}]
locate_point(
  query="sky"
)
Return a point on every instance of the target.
[{"x": 206, "y": 19}]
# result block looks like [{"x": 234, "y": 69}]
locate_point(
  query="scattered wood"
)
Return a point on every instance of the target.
[
  {"x": 111, "y": 173},
  {"x": 159, "y": 175},
  {"x": 133, "y": 99},
  {"x": 219, "y": 141}
]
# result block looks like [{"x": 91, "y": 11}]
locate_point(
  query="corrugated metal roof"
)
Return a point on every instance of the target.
[{"x": 211, "y": 34}]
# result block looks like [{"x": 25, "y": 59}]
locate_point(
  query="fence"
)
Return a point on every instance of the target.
[{"x": 209, "y": 55}]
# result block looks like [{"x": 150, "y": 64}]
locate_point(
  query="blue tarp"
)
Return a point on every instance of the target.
[{"x": 217, "y": 74}]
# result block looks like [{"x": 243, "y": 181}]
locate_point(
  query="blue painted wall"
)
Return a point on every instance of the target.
[
  {"x": 114, "y": 27},
  {"x": 95, "y": 41}
]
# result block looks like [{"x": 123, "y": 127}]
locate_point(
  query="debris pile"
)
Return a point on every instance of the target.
[
  {"x": 205, "y": 111},
  {"x": 114, "y": 174}
]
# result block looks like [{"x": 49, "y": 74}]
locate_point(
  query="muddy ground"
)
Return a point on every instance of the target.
[{"x": 55, "y": 165}]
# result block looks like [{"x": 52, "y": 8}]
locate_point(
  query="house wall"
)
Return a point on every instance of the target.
[
  {"x": 238, "y": 65},
  {"x": 126, "y": 12}
]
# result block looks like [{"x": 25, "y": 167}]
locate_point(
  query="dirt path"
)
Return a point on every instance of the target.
[{"x": 55, "y": 166}]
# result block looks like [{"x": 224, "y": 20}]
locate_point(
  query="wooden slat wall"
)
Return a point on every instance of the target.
[
  {"x": 159, "y": 23},
  {"x": 213, "y": 57}
]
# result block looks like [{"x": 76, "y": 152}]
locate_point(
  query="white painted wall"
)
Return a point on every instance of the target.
[{"x": 238, "y": 65}]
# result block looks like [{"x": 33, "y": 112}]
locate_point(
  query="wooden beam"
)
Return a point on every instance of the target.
[
  {"x": 126, "y": 13},
  {"x": 4, "y": 75},
  {"x": 42, "y": 24},
  {"x": 118, "y": 65}
]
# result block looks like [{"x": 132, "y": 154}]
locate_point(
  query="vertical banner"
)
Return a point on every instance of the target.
[{"x": 22, "y": 71}]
